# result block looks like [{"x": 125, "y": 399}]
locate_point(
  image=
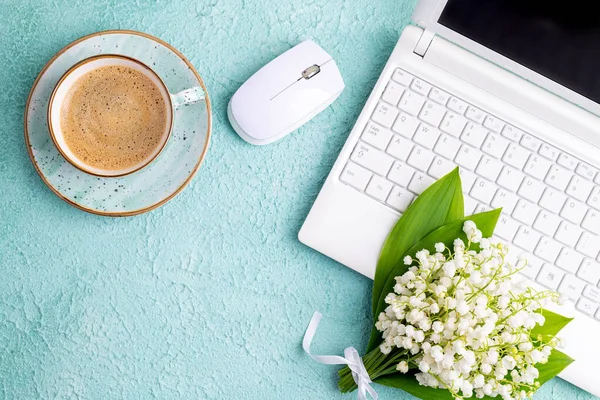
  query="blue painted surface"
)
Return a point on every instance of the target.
[{"x": 208, "y": 296}]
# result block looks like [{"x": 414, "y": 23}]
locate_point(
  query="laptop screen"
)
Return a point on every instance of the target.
[{"x": 560, "y": 40}]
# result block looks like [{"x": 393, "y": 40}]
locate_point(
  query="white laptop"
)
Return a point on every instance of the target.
[{"x": 509, "y": 90}]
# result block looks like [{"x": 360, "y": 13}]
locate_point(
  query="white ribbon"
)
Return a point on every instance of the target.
[{"x": 353, "y": 360}]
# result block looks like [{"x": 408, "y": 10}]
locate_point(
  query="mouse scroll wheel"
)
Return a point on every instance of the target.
[{"x": 311, "y": 71}]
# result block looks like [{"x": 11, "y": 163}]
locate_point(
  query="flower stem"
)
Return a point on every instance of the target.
[{"x": 373, "y": 361}]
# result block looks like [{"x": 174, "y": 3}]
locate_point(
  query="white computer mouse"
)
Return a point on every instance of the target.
[{"x": 285, "y": 94}]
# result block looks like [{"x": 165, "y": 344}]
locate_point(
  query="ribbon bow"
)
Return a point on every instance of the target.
[{"x": 352, "y": 359}]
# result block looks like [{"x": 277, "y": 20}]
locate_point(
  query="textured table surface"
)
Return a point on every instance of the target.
[{"x": 208, "y": 296}]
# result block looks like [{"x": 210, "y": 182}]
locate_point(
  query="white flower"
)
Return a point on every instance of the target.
[
  {"x": 424, "y": 366},
  {"x": 402, "y": 367},
  {"x": 419, "y": 336},
  {"x": 486, "y": 368},
  {"x": 459, "y": 319},
  {"x": 385, "y": 349},
  {"x": 437, "y": 327},
  {"x": 509, "y": 362}
]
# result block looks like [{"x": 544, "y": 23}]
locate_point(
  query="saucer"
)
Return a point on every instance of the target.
[{"x": 153, "y": 185}]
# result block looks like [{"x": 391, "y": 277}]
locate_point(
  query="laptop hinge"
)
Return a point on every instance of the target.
[{"x": 424, "y": 42}]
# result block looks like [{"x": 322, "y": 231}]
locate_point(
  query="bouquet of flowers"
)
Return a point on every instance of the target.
[{"x": 449, "y": 323}]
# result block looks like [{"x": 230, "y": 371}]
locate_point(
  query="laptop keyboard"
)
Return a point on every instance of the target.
[{"x": 550, "y": 199}]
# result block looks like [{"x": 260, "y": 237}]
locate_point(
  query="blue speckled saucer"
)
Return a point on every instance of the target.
[{"x": 155, "y": 184}]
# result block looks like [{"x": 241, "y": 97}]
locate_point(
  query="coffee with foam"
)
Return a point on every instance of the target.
[{"x": 114, "y": 118}]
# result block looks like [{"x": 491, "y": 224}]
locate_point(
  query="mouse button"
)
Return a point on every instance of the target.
[{"x": 311, "y": 71}]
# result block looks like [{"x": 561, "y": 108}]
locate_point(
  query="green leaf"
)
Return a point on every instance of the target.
[
  {"x": 553, "y": 324},
  {"x": 408, "y": 383},
  {"x": 486, "y": 223},
  {"x": 441, "y": 203},
  {"x": 555, "y": 365}
]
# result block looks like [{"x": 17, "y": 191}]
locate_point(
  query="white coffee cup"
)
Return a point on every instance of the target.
[{"x": 65, "y": 83}]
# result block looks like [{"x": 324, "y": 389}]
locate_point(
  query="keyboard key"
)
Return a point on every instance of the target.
[
  {"x": 568, "y": 234},
  {"x": 400, "y": 147},
  {"x": 420, "y": 158},
  {"x": 505, "y": 200},
  {"x": 401, "y": 174},
  {"x": 530, "y": 267},
  {"x": 470, "y": 206},
  {"x": 439, "y": 96},
  {"x": 589, "y": 244},
  {"x": 591, "y": 222},
  {"x": 547, "y": 223},
  {"x": 589, "y": 271},
  {"x": 553, "y": 200},
  {"x": 402, "y": 77},
  {"x": 411, "y": 102},
  {"x": 379, "y": 188},
  {"x": 419, "y": 183},
  {"x": 569, "y": 260},
  {"x": 526, "y": 212},
  {"x": 376, "y": 135},
  {"x": 481, "y": 208},
  {"x": 550, "y": 276},
  {"x": 516, "y": 156},
  {"x": 467, "y": 179},
  {"x": 573, "y": 211},
  {"x": 385, "y": 114},
  {"x": 475, "y": 114},
  {"x": 453, "y": 124},
  {"x": 474, "y": 134},
  {"x": 426, "y": 136},
  {"x": 372, "y": 159},
  {"x": 558, "y": 178},
  {"x": 531, "y": 189},
  {"x": 406, "y": 125},
  {"x": 510, "y": 179},
  {"x": 495, "y": 145},
  {"x": 586, "y": 170},
  {"x": 392, "y": 93},
  {"x": 512, "y": 133},
  {"x": 550, "y": 152},
  {"x": 527, "y": 238},
  {"x": 592, "y": 293},
  {"x": 489, "y": 168},
  {"x": 441, "y": 167},
  {"x": 432, "y": 113},
  {"x": 571, "y": 287},
  {"x": 537, "y": 167},
  {"x": 587, "y": 306},
  {"x": 493, "y": 124},
  {"x": 447, "y": 146},
  {"x": 594, "y": 199},
  {"x": 567, "y": 161},
  {"x": 506, "y": 228},
  {"x": 468, "y": 157},
  {"x": 530, "y": 142},
  {"x": 400, "y": 199},
  {"x": 356, "y": 176},
  {"x": 457, "y": 105},
  {"x": 580, "y": 188},
  {"x": 420, "y": 86},
  {"x": 547, "y": 249},
  {"x": 483, "y": 190}
]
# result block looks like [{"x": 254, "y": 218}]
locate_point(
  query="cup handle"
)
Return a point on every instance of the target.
[{"x": 187, "y": 97}]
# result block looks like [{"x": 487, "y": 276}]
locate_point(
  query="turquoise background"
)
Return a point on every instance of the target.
[{"x": 208, "y": 296}]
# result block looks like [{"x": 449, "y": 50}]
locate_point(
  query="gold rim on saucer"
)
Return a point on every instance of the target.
[
  {"x": 193, "y": 171},
  {"x": 66, "y": 75}
]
